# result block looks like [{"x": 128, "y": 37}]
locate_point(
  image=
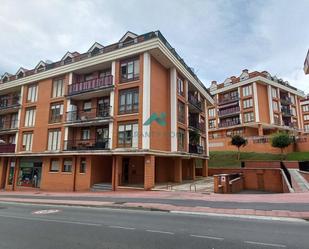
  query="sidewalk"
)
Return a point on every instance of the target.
[{"x": 295, "y": 205}]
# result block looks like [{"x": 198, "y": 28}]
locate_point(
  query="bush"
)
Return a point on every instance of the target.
[
  {"x": 238, "y": 141},
  {"x": 281, "y": 140}
]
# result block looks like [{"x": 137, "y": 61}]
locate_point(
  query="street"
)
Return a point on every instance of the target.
[{"x": 42, "y": 226}]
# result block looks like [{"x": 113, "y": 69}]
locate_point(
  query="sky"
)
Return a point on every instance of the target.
[{"x": 217, "y": 38}]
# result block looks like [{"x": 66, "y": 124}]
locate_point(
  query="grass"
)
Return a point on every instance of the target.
[{"x": 228, "y": 159}]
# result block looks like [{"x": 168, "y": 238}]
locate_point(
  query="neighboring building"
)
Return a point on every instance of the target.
[
  {"x": 254, "y": 104},
  {"x": 305, "y": 113},
  {"x": 127, "y": 114},
  {"x": 306, "y": 64}
]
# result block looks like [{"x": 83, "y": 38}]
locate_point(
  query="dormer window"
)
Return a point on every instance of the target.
[
  {"x": 20, "y": 75},
  {"x": 5, "y": 79},
  {"x": 40, "y": 67},
  {"x": 95, "y": 49},
  {"x": 68, "y": 60}
]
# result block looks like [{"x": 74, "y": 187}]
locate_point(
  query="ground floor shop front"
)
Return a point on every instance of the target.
[{"x": 82, "y": 172}]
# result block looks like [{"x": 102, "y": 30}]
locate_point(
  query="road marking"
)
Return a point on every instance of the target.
[
  {"x": 158, "y": 231},
  {"x": 264, "y": 244},
  {"x": 50, "y": 220},
  {"x": 206, "y": 237},
  {"x": 119, "y": 227},
  {"x": 46, "y": 211}
]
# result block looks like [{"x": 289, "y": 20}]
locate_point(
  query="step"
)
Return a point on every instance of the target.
[{"x": 101, "y": 187}]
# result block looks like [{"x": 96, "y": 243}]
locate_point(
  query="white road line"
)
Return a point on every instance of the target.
[
  {"x": 158, "y": 231},
  {"x": 119, "y": 227},
  {"x": 206, "y": 237},
  {"x": 264, "y": 244},
  {"x": 50, "y": 220}
]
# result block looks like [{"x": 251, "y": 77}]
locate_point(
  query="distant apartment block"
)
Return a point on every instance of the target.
[{"x": 129, "y": 114}]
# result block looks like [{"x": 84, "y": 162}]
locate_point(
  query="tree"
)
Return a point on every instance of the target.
[
  {"x": 281, "y": 140},
  {"x": 238, "y": 141}
]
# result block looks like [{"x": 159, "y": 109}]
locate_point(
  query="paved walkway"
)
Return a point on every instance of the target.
[
  {"x": 294, "y": 205},
  {"x": 299, "y": 184}
]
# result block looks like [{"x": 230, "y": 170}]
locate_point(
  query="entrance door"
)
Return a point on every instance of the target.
[
  {"x": 125, "y": 170},
  {"x": 37, "y": 172}
]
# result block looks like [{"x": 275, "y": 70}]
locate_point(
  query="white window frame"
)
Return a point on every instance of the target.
[
  {"x": 54, "y": 140},
  {"x": 247, "y": 90},
  {"x": 30, "y": 117},
  {"x": 248, "y": 103},
  {"x": 32, "y": 95},
  {"x": 27, "y": 141},
  {"x": 248, "y": 117},
  {"x": 58, "y": 88}
]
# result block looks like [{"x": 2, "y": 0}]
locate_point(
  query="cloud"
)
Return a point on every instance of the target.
[{"x": 217, "y": 38}]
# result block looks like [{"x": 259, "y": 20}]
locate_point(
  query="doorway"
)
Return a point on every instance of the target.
[
  {"x": 29, "y": 174},
  {"x": 125, "y": 170}
]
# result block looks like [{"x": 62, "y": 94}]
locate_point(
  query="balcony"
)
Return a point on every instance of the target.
[
  {"x": 10, "y": 103},
  {"x": 93, "y": 115},
  {"x": 7, "y": 148},
  {"x": 195, "y": 102},
  {"x": 90, "y": 85},
  {"x": 229, "y": 112},
  {"x": 197, "y": 125},
  {"x": 286, "y": 112},
  {"x": 285, "y": 100},
  {"x": 229, "y": 123},
  {"x": 228, "y": 99},
  {"x": 88, "y": 144},
  {"x": 8, "y": 125},
  {"x": 196, "y": 149}
]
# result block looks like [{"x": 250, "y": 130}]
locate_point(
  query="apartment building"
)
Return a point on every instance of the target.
[
  {"x": 305, "y": 113},
  {"x": 130, "y": 114},
  {"x": 254, "y": 104}
]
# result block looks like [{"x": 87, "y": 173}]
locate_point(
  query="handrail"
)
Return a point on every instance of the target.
[{"x": 193, "y": 184}]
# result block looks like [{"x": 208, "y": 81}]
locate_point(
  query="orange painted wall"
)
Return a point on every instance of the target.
[{"x": 263, "y": 103}]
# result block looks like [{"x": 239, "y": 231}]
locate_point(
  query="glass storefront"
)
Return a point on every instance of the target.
[{"x": 29, "y": 174}]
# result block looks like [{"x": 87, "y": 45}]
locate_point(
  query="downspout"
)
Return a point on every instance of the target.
[{"x": 75, "y": 172}]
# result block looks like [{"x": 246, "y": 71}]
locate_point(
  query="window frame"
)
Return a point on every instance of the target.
[
  {"x": 30, "y": 116},
  {"x": 134, "y": 101},
  {"x": 58, "y": 88},
  {"x": 54, "y": 140},
  {"x": 63, "y": 169},
  {"x": 181, "y": 137},
  {"x": 57, "y": 117},
  {"x": 124, "y": 143},
  {"x": 181, "y": 116},
  {"x": 32, "y": 93},
  {"x": 135, "y": 70},
  {"x": 51, "y": 165},
  {"x": 29, "y": 137}
]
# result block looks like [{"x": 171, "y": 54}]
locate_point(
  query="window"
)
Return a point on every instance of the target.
[
  {"x": 128, "y": 101},
  {"x": 181, "y": 112},
  {"x": 306, "y": 117},
  {"x": 30, "y": 117},
  {"x": 212, "y": 124},
  {"x": 275, "y": 106},
  {"x": 211, "y": 112},
  {"x": 306, "y": 126},
  {"x": 181, "y": 139},
  {"x": 54, "y": 165},
  {"x": 56, "y": 113},
  {"x": 67, "y": 165},
  {"x": 248, "y": 117},
  {"x": 57, "y": 88},
  {"x": 54, "y": 139},
  {"x": 105, "y": 73},
  {"x": 32, "y": 93},
  {"x": 247, "y": 90},
  {"x": 82, "y": 166},
  {"x": 130, "y": 70},
  {"x": 85, "y": 134},
  {"x": 180, "y": 86},
  {"x": 276, "y": 119},
  {"x": 292, "y": 97},
  {"x": 293, "y": 109},
  {"x": 274, "y": 92},
  {"x": 87, "y": 106},
  {"x": 88, "y": 76},
  {"x": 306, "y": 108},
  {"x": 14, "y": 121},
  {"x": 128, "y": 135},
  {"x": 248, "y": 103},
  {"x": 27, "y": 141}
]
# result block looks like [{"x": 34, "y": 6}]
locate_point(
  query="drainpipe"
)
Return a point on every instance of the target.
[{"x": 75, "y": 172}]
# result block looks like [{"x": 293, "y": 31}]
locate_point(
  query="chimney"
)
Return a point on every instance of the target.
[{"x": 245, "y": 71}]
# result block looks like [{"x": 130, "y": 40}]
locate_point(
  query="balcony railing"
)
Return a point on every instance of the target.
[
  {"x": 285, "y": 100},
  {"x": 229, "y": 123},
  {"x": 90, "y": 85},
  {"x": 286, "y": 112},
  {"x": 197, "y": 125},
  {"x": 6, "y": 125},
  {"x": 196, "y": 149},
  {"x": 7, "y": 148},
  {"x": 230, "y": 111},
  {"x": 87, "y": 144},
  {"x": 9, "y": 102},
  {"x": 194, "y": 101},
  {"x": 228, "y": 99},
  {"x": 88, "y": 115}
]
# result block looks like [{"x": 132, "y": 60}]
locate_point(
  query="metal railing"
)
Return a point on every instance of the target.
[
  {"x": 229, "y": 123},
  {"x": 194, "y": 101},
  {"x": 233, "y": 110},
  {"x": 196, "y": 124},
  {"x": 8, "y": 125},
  {"x": 7, "y": 148},
  {"x": 88, "y": 115},
  {"x": 90, "y": 85},
  {"x": 228, "y": 99},
  {"x": 285, "y": 100},
  {"x": 86, "y": 144},
  {"x": 286, "y": 112},
  {"x": 196, "y": 149},
  {"x": 7, "y": 102}
]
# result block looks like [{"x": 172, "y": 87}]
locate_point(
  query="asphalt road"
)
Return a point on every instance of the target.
[
  {"x": 298, "y": 207},
  {"x": 77, "y": 227}
]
